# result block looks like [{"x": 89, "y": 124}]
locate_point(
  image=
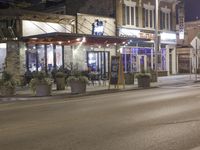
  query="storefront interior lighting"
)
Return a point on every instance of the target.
[
  {"x": 3, "y": 45},
  {"x": 84, "y": 39},
  {"x": 78, "y": 39}
]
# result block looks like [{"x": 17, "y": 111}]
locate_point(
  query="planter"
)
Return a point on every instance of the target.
[
  {"x": 77, "y": 87},
  {"x": 144, "y": 81},
  {"x": 7, "y": 91},
  {"x": 43, "y": 90},
  {"x": 129, "y": 78},
  {"x": 60, "y": 83}
]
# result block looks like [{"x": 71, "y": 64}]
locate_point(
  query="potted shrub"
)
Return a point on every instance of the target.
[
  {"x": 60, "y": 80},
  {"x": 144, "y": 80},
  {"x": 129, "y": 78},
  {"x": 41, "y": 84},
  {"x": 78, "y": 83},
  {"x": 7, "y": 84}
]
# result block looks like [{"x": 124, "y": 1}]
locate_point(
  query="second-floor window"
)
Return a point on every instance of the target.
[
  {"x": 165, "y": 19},
  {"x": 148, "y": 16},
  {"x": 129, "y": 13}
]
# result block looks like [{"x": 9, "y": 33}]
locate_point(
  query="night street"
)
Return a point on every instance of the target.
[{"x": 166, "y": 118}]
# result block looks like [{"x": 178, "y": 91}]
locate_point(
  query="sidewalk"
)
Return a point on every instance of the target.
[{"x": 24, "y": 93}]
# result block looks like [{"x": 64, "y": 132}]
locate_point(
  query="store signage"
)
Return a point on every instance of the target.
[
  {"x": 129, "y": 32},
  {"x": 168, "y": 38},
  {"x": 135, "y": 33},
  {"x": 117, "y": 71},
  {"x": 97, "y": 27},
  {"x": 114, "y": 69},
  {"x": 181, "y": 22}
]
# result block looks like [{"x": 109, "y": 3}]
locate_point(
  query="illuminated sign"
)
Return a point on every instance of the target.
[
  {"x": 168, "y": 38},
  {"x": 97, "y": 27},
  {"x": 129, "y": 32},
  {"x": 181, "y": 22},
  {"x": 135, "y": 33}
]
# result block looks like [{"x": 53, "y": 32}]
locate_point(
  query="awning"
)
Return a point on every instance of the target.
[{"x": 73, "y": 39}]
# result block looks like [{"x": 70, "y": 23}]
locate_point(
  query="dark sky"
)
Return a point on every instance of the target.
[{"x": 192, "y": 10}]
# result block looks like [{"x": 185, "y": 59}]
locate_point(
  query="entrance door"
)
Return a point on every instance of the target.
[
  {"x": 98, "y": 62},
  {"x": 142, "y": 63}
]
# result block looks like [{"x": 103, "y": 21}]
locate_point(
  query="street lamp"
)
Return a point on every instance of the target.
[{"x": 156, "y": 42}]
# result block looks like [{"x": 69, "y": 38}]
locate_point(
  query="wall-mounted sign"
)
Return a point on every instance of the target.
[
  {"x": 181, "y": 21},
  {"x": 168, "y": 38},
  {"x": 97, "y": 27},
  {"x": 135, "y": 33}
]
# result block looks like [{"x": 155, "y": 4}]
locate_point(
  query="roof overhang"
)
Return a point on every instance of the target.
[{"x": 73, "y": 39}]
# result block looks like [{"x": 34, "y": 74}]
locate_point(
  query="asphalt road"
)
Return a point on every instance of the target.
[{"x": 165, "y": 118}]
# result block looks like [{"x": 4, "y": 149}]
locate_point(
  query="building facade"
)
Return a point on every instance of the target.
[
  {"x": 32, "y": 41},
  {"x": 186, "y": 54},
  {"x": 136, "y": 18}
]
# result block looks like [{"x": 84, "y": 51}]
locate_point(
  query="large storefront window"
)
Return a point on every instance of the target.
[
  {"x": 31, "y": 58},
  {"x": 50, "y": 62},
  {"x": 142, "y": 59},
  {"x": 41, "y": 58},
  {"x": 59, "y": 61},
  {"x": 98, "y": 62},
  {"x": 44, "y": 58}
]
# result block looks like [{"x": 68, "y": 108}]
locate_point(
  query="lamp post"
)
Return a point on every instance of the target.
[{"x": 156, "y": 42}]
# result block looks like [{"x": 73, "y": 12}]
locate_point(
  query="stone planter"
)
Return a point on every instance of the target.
[
  {"x": 60, "y": 83},
  {"x": 43, "y": 90},
  {"x": 129, "y": 78},
  {"x": 77, "y": 87},
  {"x": 7, "y": 91},
  {"x": 144, "y": 81}
]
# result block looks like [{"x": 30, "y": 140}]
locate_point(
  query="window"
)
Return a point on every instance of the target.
[
  {"x": 129, "y": 13},
  {"x": 165, "y": 19},
  {"x": 148, "y": 16}
]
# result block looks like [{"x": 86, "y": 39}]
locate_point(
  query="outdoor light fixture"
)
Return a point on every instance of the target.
[
  {"x": 68, "y": 41},
  {"x": 78, "y": 39},
  {"x": 84, "y": 39},
  {"x": 60, "y": 42}
]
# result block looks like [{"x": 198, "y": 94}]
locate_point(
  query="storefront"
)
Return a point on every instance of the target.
[
  {"x": 137, "y": 59},
  {"x": 140, "y": 56}
]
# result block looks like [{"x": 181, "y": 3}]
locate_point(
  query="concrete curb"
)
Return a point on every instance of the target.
[{"x": 68, "y": 95}]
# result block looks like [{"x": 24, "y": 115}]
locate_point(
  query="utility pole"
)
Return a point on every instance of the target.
[{"x": 156, "y": 42}]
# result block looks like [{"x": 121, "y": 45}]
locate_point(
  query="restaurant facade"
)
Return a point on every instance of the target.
[{"x": 32, "y": 41}]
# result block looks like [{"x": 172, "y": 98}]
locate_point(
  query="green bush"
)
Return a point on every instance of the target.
[
  {"x": 7, "y": 80},
  {"x": 39, "y": 78}
]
